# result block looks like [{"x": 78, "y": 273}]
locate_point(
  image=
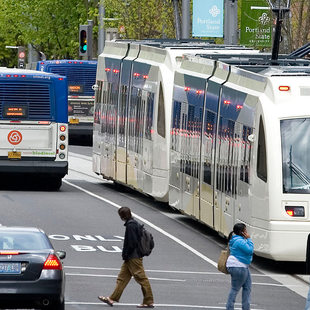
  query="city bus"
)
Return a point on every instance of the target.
[
  {"x": 81, "y": 76},
  {"x": 33, "y": 125}
]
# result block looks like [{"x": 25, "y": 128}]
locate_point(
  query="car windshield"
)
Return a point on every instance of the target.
[
  {"x": 295, "y": 141},
  {"x": 23, "y": 241}
]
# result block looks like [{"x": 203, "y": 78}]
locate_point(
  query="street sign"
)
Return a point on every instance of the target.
[
  {"x": 208, "y": 18},
  {"x": 256, "y": 20}
]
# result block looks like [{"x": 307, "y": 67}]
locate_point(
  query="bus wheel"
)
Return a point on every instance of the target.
[{"x": 55, "y": 183}]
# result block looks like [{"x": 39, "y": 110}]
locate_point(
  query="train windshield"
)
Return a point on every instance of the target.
[{"x": 295, "y": 140}]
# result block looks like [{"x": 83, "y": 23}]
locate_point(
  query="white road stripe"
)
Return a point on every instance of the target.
[
  {"x": 112, "y": 276},
  {"x": 177, "y": 240},
  {"x": 156, "y": 305},
  {"x": 171, "y": 271}
]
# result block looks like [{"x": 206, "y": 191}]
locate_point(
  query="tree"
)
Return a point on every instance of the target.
[
  {"x": 49, "y": 26},
  {"x": 141, "y": 19}
]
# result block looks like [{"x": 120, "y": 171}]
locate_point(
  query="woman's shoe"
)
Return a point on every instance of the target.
[{"x": 145, "y": 306}]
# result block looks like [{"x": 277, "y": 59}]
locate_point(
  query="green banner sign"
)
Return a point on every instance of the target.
[{"x": 256, "y": 20}]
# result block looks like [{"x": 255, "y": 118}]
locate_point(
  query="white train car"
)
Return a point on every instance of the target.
[
  {"x": 131, "y": 137},
  {"x": 250, "y": 125},
  {"x": 218, "y": 138}
]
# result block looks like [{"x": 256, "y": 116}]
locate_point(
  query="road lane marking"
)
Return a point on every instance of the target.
[
  {"x": 164, "y": 279},
  {"x": 169, "y": 271},
  {"x": 160, "y": 230},
  {"x": 156, "y": 305},
  {"x": 113, "y": 276}
]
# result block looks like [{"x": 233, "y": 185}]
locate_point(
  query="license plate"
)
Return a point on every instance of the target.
[
  {"x": 74, "y": 121},
  {"x": 14, "y": 155},
  {"x": 10, "y": 268}
]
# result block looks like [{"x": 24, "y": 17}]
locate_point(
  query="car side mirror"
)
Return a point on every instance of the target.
[{"x": 61, "y": 254}]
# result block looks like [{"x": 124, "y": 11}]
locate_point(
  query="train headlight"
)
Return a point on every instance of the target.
[{"x": 295, "y": 211}]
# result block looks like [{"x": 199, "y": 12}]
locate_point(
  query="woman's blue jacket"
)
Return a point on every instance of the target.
[{"x": 241, "y": 248}]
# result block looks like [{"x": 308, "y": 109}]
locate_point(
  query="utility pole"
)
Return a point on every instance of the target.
[
  {"x": 177, "y": 19},
  {"x": 101, "y": 30},
  {"x": 186, "y": 19},
  {"x": 280, "y": 10},
  {"x": 231, "y": 22}
]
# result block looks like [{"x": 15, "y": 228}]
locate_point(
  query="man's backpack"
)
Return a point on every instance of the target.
[{"x": 146, "y": 243}]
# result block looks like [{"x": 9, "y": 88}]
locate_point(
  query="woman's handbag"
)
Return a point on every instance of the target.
[{"x": 221, "y": 264}]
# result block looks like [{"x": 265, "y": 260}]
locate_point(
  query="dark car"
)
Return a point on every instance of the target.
[{"x": 31, "y": 273}]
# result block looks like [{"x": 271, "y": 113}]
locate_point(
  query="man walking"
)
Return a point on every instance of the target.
[{"x": 133, "y": 264}]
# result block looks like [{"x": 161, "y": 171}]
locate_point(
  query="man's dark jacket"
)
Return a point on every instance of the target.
[{"x": 132, "y": 238}]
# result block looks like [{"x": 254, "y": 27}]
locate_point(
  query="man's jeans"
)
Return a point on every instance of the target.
[{"x": 240, "y": 277}]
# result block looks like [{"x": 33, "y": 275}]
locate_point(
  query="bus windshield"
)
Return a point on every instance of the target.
[{"x": 295, "y": 160}]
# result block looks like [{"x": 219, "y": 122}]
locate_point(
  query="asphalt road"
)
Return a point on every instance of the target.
[{"x": 82, "y": 219}]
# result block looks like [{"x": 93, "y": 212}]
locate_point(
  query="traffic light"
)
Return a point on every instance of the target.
[
  {"x": 21, "y": 54},
  {"x": 85, "y": 39}
]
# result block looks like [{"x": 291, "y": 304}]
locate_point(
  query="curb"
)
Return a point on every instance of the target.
[{"x": 304, "y": 278}]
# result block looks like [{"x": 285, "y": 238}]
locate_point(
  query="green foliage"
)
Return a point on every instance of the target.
[
  {"x": 50, "y": 27},
  {"x": 141, "y": 19}
]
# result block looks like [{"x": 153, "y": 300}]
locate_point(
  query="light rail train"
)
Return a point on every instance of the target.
[{"x": 219, "y": 133}]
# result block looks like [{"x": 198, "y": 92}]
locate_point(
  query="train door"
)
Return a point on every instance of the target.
[
  {"x": 106, "y": 94},
  {"x": 243, "y": 199},
  {"x": 207, "y": 166},
  {"x": 224, "y": 175},
  {"x": 175, "y": 151},
  {"x": 135, "y": 138},
  {"x": 147, "y": 164},
  {"x": 111, "y": 124},
  {"x": 121, "y": 135},
  {"x": 97, "y": 127},
  {"x": 186, "y": 205}
]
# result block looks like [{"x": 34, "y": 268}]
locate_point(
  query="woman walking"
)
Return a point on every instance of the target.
[{"x": 241, "y": 253}]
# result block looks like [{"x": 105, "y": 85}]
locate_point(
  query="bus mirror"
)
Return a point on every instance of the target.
[{"x": 251, "y": 138}]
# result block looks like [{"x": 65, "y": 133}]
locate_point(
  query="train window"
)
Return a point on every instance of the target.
[
  {"x": 132, "y": 109},
  {"x": 295, "y": 146},
  {"x": 122, "y": 115},
  {"x": 261, "y": 153},
  {"x": 139, "y": 122},
  {"x": 98, "y": 103},
  {"x": 149, "y": 116},
  {"x": 161, "y": 121},
  {"x": 176, "y": 123}
]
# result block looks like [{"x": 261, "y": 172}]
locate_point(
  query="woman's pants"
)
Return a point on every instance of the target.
[
  {"x": 240, "y": 277},
  {"x": 308, "y": 301},
  {"x": 133, "y": 268}
]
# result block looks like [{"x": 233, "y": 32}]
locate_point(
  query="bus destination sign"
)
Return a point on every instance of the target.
[
  {"x": 15, "y": 111},
  {"x": 75, "y": 89}
]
